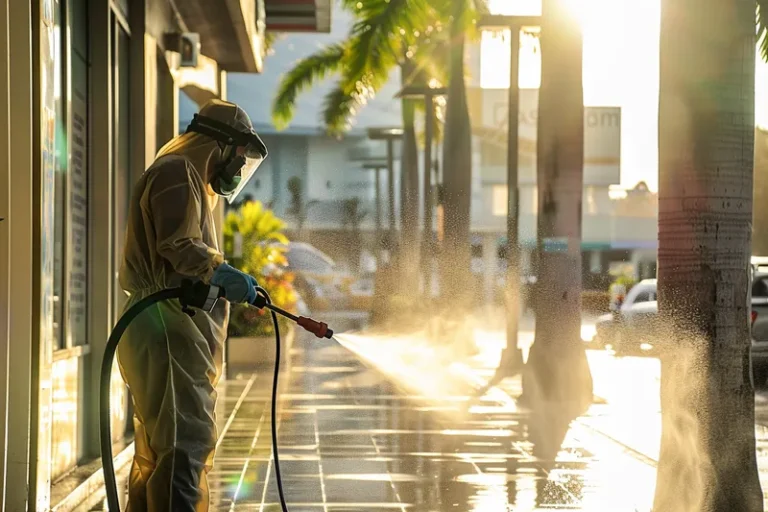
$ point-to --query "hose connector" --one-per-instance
(319, 329)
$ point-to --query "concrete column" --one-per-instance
(595, 262)
(19, 229)
(101, 235)
(5, 242)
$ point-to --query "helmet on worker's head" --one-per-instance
(242, 151)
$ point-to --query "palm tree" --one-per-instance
(457, 165)
(706, 142)
(557, 371)
(351, 218)
(387, 36)
(408, 34)
(298, 207)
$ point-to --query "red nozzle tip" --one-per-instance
(319, 329)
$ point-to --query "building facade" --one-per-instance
(332, 171)
(88, 94)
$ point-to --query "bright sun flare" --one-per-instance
(621, 68)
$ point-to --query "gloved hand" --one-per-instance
(238, 286)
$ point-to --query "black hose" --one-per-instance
(275, 451)
(105, 410)
(110, 481)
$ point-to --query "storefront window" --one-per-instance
(70, 190)
(60, 177)
(77, 252)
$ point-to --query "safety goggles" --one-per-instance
(240, 163)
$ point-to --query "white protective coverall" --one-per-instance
(170, 361)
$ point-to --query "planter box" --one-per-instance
(258, 351)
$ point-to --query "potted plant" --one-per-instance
(255, 243)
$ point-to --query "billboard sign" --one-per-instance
(602, 133)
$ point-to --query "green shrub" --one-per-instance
(263, 257)
(627, 281)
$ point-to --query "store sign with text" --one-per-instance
(602, 133)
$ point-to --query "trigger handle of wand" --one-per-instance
(319, 329)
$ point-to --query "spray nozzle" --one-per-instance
(319, 329)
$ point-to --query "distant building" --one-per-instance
(330, 169)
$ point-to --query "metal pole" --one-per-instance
(391, 187)
(513, 207)
(426, 245)
(378, 214)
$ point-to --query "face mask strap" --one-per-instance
(226, 134)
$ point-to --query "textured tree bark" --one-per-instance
(457, 177)
(706, 143)
(557, 371)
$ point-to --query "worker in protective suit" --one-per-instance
(171, 361)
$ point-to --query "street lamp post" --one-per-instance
(389, 135)
(512, 357)
(377, 166)
(427, 244)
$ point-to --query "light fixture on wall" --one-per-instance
(187, 45)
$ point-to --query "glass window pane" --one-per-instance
(760, 288)
(642, 297)
(79, 27)
(78, 205)
(122, 6)
(60, 180)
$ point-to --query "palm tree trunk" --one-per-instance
(706, 142)
(409, 252)
(557, 371)
(457, 176)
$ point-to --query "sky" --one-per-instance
(621, 68)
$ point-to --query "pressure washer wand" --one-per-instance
(319, 329)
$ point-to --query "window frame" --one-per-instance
(66, 345)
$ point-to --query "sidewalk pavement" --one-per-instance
(378, 426)
(624, 423)
(382, 423)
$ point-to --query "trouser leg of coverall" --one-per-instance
(171, 378)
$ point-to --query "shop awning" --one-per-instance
(231, 31)
(298, 15)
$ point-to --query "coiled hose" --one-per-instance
(105, 427)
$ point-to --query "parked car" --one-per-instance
(322, 284)
(634, 313)
(760, 327)
(634, 327)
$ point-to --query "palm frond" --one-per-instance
(431, 57)
(384, 32)
(307, 72)
(762, 28)
(341, 104)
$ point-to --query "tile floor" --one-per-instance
(353, 440)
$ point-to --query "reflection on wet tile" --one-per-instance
(352, 440)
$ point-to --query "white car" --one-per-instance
(632, 324)
(635, 323)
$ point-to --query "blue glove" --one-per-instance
(238, 286)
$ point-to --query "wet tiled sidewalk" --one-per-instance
(353, 439)
(625, 421)
(368, 432)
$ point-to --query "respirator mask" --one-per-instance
(241, 154)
